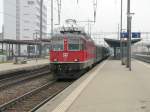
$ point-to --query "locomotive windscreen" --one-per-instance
(57, 44)
(75, 44)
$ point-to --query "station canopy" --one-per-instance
(23, 42)
(116, 43)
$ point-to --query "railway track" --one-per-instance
(11, 78)
(5, 83)
(11, 90)
(20, 73)
(32, 100)
(28, 91)
(144, 58)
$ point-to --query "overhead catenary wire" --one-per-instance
(95, 9)
(59, 10)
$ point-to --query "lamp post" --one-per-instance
(128, 12)
(35, 38)
(129, 43)
(129, 18)
(89, 25)
(121, 43)
(52, 19)
(2, 38)
(41, 26)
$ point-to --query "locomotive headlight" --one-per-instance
(55, 60)
(76, 60)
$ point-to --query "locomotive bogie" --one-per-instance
(68, 70)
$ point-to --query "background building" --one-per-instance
(0, 35)
(22, 19)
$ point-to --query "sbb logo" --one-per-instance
(65, 55)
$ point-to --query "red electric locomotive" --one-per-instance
(73, 51)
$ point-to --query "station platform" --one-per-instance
(32, 64)
(108, 87)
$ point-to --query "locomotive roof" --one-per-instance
(72, 32)
(72, 35)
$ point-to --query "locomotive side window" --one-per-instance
(57, 44)
(58, 47)
(82, 45)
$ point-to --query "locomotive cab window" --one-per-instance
(57, 44)
(74, 44)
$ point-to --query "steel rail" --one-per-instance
(26, 95)
(7, 84)
(142, 58)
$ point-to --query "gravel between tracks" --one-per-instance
(28, 103)
(22, 88)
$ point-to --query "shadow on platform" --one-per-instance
(114, 58)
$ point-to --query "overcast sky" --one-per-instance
(108, 13)
(1, 10)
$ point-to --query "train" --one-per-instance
(74, 51)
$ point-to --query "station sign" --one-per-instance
(134, 35)
(124, 35)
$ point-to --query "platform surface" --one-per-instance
(10, 66)
(110, 88)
